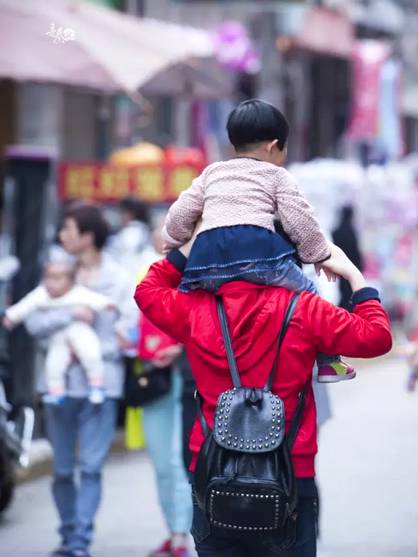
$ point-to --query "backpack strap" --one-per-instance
(233, 368)
(199, 404)
(232, 363)
(297, 417)
(287, 317)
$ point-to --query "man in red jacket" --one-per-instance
(255, 314)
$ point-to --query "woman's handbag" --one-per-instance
(146, 383)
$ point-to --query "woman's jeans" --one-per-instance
(91, 427)
(163, 434)
(216, 544)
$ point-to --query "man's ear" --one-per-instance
(272, 145)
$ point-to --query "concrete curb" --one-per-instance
(41, 458)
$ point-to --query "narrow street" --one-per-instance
(129, 523)
(366, 470)
(367, 465)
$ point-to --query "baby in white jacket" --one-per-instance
(77, 340)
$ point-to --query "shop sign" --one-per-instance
(390, 121)
(369, 57)
(155, 183)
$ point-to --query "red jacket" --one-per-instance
(255, 315)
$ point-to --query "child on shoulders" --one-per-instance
(238, 201)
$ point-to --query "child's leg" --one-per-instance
(290, 276)
(57, 361)
(331, 369)
(86, 346)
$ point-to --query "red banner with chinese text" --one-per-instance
(154, 183)
(368, 59)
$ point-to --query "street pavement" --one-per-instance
(367, 471)
(129, 523)
(367, 465)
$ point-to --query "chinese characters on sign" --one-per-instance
(155, 183)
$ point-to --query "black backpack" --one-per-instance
(244, 479)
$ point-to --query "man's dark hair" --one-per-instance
(137, 208)
(254, 121)
(89, 219)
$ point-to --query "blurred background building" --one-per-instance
(82, 80)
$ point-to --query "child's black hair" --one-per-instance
(254, 121)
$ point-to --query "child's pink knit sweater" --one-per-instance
(246, 191)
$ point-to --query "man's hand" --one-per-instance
(84, 314)
(339, 265)
(166, 356)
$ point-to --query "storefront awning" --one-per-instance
(75, 43)
(322, 31)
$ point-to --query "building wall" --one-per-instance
(202, 14)
(78, 132)
(262, 20)
(39, 115)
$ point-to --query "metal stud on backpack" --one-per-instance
(244, 479)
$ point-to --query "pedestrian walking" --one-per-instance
(254, 315)
(127, 245)
(345, 236)
(163, 427)
(80, 431)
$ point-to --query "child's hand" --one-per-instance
(338, 265)
(84, 314)
(165, 248)
(331, 276)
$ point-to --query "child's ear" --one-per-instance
(272, 145)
